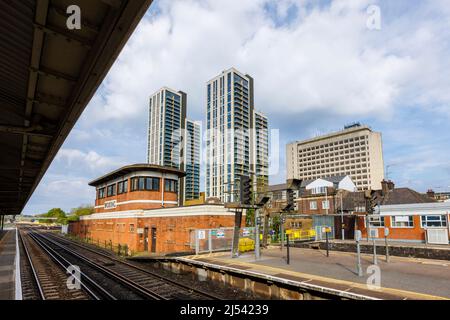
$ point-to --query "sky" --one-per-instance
(317, 66)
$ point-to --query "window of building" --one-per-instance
(131, 227)
(101, 193)
(318, 190)
(402, 221)
(326, 204)
(122, 187)
(433, 221)
(111, 190)
(376, 222)
(313, 205)
(145, 183)
(170, 185)
(152, 184)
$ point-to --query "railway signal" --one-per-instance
(245, 190)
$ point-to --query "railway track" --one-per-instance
(43, 276)
(144, 283)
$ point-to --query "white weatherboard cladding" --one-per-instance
(318, 183)
(347, 184)
(415, 209)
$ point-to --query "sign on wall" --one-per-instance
(373, 233)
(201, 234)
(110, 204)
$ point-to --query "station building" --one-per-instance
(137, 206)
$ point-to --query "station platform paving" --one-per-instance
(8, 265)
(402, 278)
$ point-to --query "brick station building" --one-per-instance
(137, 206)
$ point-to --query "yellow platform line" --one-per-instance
(397, 292)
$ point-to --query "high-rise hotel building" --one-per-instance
(355, 151)
(231, 146)
(167, 144)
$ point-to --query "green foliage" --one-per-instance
(77, 212)
(57, 213)
(63, 218)
(82, 211)
(250, 218)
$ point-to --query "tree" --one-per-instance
(82, 210)
(76, 213)
(57, 213)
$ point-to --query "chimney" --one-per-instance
(391, 185)
(430, 193)
(384, 187)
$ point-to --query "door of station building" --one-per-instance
(145, 239)
(349, 227)
(153, 239)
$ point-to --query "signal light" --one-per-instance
(245, 190)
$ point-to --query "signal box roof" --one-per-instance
(133, 168)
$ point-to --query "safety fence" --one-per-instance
(321, 232)
(221, 239)
(301, 234)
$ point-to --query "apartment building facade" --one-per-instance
(192, 143)
(167, 122)
(355, 151)
(231, 148)
(261, 154)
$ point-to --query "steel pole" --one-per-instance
(387, 248)
(374, 252)
(358, 255)
(287, 248)
(342, 220)
(281, 232)
(257, 246)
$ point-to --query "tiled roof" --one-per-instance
(404, 196)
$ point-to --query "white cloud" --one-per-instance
(324, 59)
(81, 160)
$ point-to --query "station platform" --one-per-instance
(396, 248)
(401, 279)
(8, 249)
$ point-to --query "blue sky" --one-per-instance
(316, 67)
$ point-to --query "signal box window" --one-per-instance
(170, 185)
(111, 190)
(122, 187)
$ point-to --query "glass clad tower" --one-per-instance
(167, 121)
(192, 160)
(261, 159)
(230, 141)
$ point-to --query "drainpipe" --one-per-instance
(162, 188)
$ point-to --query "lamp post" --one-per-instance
(342, 218)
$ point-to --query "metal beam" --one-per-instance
(53, 73)
(31, 131)
(69, 36)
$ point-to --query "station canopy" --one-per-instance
(48, 74)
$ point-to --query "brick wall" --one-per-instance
(172, 233)
(138, 195)
(414, 233)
